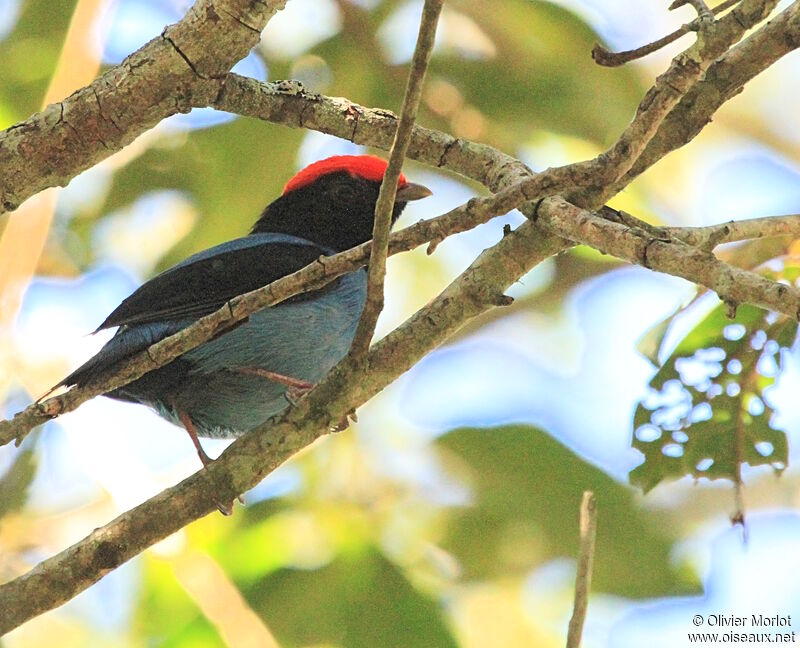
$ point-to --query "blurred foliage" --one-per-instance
(17, 478)
(526, 86)
(551, 80)
(356, 555)
(209, 166)
(527, 488)
(306, 561)
(166, 612)
(707, 413)
(29, 55)
(358, 599)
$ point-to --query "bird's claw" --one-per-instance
(296, 393)
(225, 509)
(342, 425)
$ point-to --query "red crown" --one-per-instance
(363, 166)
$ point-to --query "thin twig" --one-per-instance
(384, 207)
(607, 58)
(739, 434)
(703, 12)
(583, 579)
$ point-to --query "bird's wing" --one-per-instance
(204, 282)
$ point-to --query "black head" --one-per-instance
(332, 202)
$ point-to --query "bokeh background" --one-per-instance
(448, 515)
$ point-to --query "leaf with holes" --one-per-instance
(706, 413)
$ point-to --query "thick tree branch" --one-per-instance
(168, 75)
(384, 207)
(671, 256)
(294, 107)
(710, 236)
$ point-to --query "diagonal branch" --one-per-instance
(723, 81)
(376, 272)
(170, 74)
(670, 87)
(249, 459)
(671, 256)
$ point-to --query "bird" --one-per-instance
(237, 381)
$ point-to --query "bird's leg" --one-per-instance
(224, 508)
(297, 387)
(187, 423)
(295, 383)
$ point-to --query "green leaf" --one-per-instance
(229, 171)
(650, 343)
(542, 76)
(359, 599)
(17, 479)
(166, 612)
(29, 55)
(707, 415)
(527, 489)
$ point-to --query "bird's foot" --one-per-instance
(226, 508)
(296, 393)
(297, 386)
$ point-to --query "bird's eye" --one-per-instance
(345, 193)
